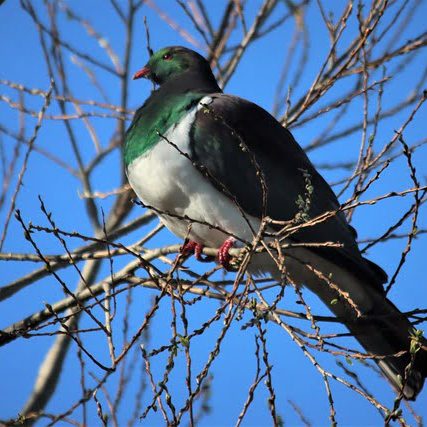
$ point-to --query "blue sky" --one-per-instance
(294, 376)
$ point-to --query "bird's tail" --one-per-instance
(386, 333)
(378, 325)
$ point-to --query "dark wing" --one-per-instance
(234, 139)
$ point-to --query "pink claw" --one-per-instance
(193, 247)
(223, 256)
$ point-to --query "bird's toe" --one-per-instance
(224, 256)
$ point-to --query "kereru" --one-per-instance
(213, 165)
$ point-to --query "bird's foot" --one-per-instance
(191, 247)
(224, 256)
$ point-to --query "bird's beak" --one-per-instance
(144, 72)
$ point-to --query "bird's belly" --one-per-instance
(188, 204)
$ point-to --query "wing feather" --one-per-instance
(236, 140)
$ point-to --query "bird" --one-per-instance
(215, 167)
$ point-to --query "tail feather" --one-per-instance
(378, 325)
(385, 331)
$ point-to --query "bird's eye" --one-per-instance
(167, 56)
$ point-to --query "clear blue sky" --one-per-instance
(294, 376)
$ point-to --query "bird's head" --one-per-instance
(171, 62)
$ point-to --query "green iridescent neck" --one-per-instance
(156, 116)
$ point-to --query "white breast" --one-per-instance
(166, 180)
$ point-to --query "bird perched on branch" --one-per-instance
(216, 168)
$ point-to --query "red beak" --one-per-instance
(142, 73)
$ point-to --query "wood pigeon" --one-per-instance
(212, 166)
